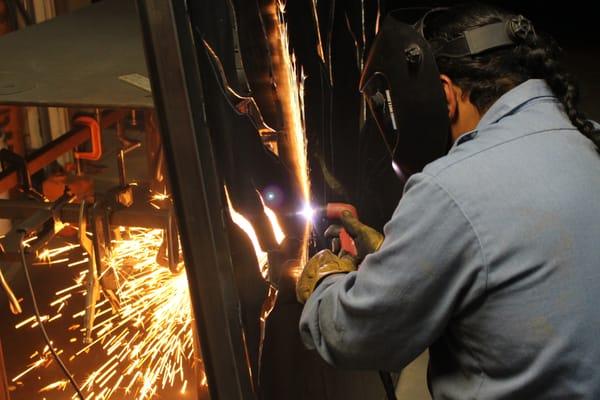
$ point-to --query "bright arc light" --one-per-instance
(308, 212)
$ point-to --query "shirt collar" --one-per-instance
(514, 99)
(508, 104)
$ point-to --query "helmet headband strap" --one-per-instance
(480, 39)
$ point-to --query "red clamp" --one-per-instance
(95, 138)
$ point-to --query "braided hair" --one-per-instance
(487, 76)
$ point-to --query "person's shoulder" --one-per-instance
(496, 141)
(461, 155)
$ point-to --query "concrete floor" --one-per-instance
(413, 381)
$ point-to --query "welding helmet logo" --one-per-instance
(402, 87)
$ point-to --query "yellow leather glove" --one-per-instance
(322, 264)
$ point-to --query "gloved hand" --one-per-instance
(322, 264)
(366, 239)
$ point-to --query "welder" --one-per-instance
(491, 259)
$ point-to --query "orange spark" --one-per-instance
(290, 90)
(58, 385)
(149, 340)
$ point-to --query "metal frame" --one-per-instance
(198, 195)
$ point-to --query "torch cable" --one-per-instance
(41, 324)
(388, 385)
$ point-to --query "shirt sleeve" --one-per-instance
(428, 270)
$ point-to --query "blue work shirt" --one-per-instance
(491, 260)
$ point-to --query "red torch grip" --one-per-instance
(334, 211)
(347, 243)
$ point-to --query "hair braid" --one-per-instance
(489, 75)
(540, 57)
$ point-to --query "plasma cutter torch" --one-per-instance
(334, 211)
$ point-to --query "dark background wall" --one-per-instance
(573, 24)
(338, 138)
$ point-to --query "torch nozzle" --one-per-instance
(331, 210)
(309, 211)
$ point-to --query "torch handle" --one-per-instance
(347, 243)
(334, 211)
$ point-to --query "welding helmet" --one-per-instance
(402, 87)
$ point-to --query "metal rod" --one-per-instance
(51, 151)
(78, 166)
(139, 214)
(121, 168)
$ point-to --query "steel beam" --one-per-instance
(198, 195)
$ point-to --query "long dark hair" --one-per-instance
(487, 76)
